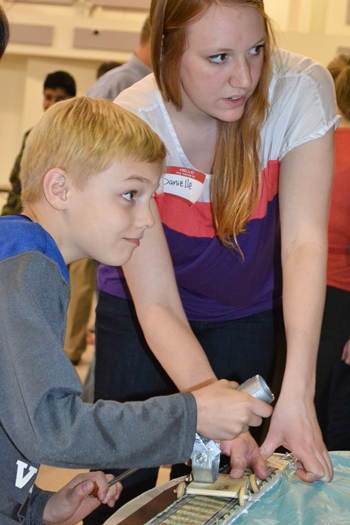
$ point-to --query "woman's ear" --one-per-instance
(56, 185)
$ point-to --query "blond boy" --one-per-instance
(88, 174)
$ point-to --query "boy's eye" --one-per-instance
(129, 195)
(218, 59)
(256, 49)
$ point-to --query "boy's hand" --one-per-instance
(223, 413)
(72, 503)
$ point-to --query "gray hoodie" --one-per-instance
(42, 418)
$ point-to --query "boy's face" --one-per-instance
(51, 96)
(108, 218)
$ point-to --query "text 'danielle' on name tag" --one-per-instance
(184, 183)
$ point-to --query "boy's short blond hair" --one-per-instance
(84, 136)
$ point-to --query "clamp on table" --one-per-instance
(205, 459)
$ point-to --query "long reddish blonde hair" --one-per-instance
(235, 185)
(340, 71)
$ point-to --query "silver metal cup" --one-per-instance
(256, 386)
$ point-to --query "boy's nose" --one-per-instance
(146, 219)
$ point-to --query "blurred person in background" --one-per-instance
(138, 66)
(332, 398)
(106, 66)
(58, 85)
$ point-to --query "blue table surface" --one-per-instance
(297, 503)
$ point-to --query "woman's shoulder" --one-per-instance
(302, 104)
(296, 68)
(302, 82)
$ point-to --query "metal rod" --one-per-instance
(121, 476)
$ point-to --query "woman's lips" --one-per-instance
(235, 101)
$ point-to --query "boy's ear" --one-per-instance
(56, 185)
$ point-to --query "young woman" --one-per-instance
(249, 134)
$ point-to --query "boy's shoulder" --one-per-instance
(20, 235)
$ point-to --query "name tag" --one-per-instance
(184, 183)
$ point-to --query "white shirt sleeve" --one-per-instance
(303, 106)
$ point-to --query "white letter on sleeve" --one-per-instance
(22, 479)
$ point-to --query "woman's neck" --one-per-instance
(197, 137)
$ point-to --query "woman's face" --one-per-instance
(222, 63)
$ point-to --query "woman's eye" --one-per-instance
(218, 59)
(129, 195)
(256, 50)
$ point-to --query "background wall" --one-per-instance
(316, 28)
(24, 67)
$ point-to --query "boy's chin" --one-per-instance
(117, 261)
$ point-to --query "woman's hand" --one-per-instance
(294, 426)
(346, 353)
(304, 188)
(72, 503)
(244, 452)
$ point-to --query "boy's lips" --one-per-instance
(135, 241)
